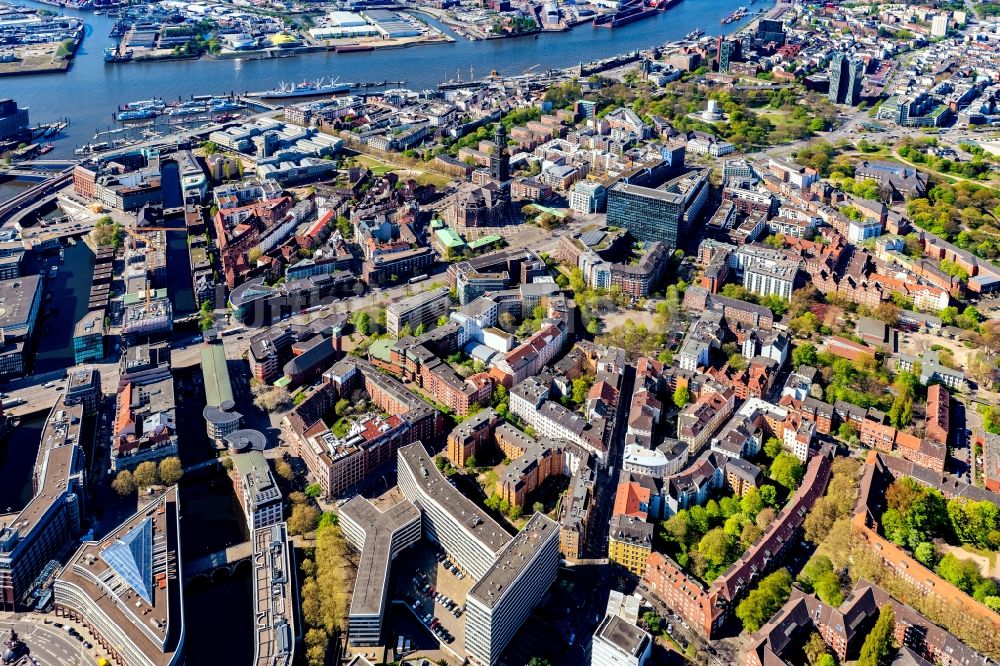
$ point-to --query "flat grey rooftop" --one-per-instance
(513, 560)
(464, 511)
(373, 565)
(626, 636)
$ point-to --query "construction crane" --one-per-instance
(149, 254)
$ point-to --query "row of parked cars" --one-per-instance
(451, 568)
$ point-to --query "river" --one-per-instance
(90, 92)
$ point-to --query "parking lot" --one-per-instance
(435, 595)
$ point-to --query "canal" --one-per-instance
(91, 90)
(17, 458)
(217, 613)
(179, 286)
(67, 296)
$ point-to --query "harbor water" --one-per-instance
(91, 91)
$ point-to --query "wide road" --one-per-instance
(47, 644)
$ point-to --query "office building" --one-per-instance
(421, 310)
(255, 487)
(20, 300)
(587, 197)
(770, 31)
(51, 519)
(88, 337)
(13, 121)
(649, 214)
(766, 277)
(471, 538)
(504, 597)
(618, 642)
(939, 25)
(274, 587)
(379, 536)
(220, 417)
(846, 75)
(127, 589)
(728, 52)
(145, 425)
(83, 386)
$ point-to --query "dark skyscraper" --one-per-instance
(13, 121)
(500, 160)
(770, 30)
(846, 75)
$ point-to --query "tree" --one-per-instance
(752, 503)
(145, 474)
(470, 462)
(420, 330)
(675, 528)
(580, 388)
(717, 547)
(303, 519)
(877, 647)
(814, 648)
(765, 517)
(764, 600)
(507, 321)
(124, 483)
(804, 355)
(828, 589)
(963, 574)
(284, 470)
(682, 396)
(272, 400)
(538, 507)
(254, 254)
(313, 490)
(806, 324)
(772, 447)
(170, 470)
(887, 312)
(787, 470)
(924, 552)
(362, 322)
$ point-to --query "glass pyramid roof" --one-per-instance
(131, 557)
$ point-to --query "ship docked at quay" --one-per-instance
(303, 89)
